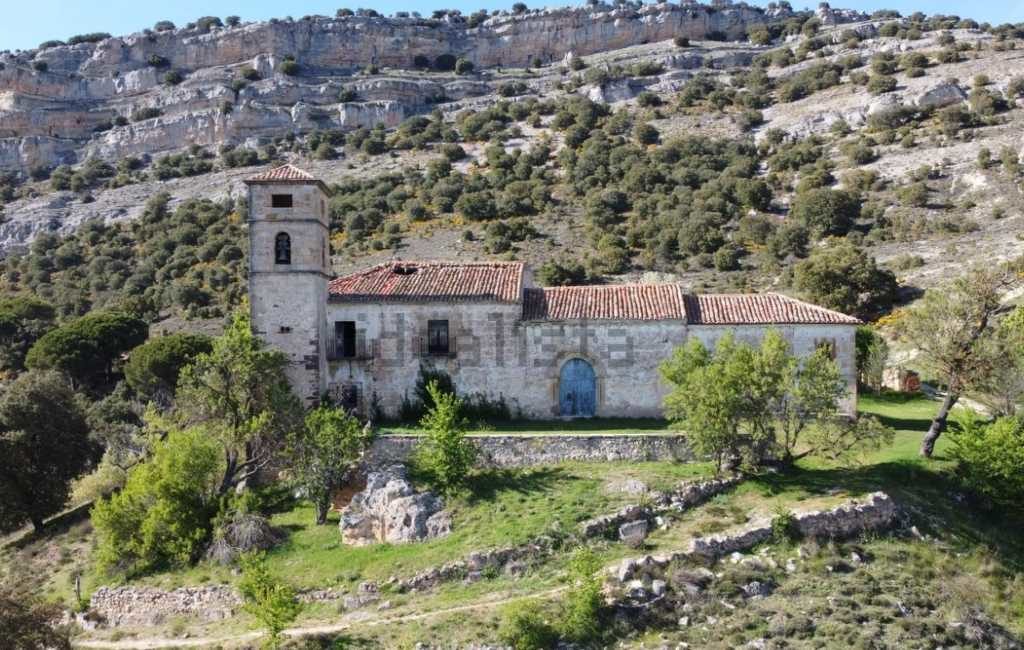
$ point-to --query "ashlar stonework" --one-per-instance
(590, 351)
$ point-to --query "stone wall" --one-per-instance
(526, 451)
(877, 511)
(495, 353)
(287, 301)
(120, 606)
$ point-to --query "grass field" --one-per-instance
(981, 552)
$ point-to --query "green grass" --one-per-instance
(502, 508)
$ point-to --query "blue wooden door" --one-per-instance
(577, 389)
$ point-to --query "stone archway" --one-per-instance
(577, 389)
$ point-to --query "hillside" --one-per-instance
(897, 112)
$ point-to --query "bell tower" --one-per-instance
(289, 267)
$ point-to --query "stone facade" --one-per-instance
(571, 351)
(287, 300)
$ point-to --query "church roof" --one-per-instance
(286, 175)
(432, 281)
(759, 309)
(605, 302)
(406, 281)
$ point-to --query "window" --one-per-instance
(829, 345)
(345, 339)
(283, 248)
(280, 200)
(437, 337)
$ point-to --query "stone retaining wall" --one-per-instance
(151, 606)
(507, 451)
(877, 511)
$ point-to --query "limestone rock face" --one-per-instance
(67, 112)
(390, 510)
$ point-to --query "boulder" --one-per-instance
(945, 93)
(633, 533)
(390, 510)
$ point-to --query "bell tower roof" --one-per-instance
(286, 175)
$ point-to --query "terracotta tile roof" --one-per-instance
(608, 302)
(285, 175)
(432, 281)
(758, 309)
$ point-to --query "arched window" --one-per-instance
(283, 248)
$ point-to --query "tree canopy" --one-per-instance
(954, 329)
(23, 319)
(742, 404)
(238, 393)
(153, 367)
(843, 277)
(88, 349)
(44, 443)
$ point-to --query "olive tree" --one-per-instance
(239, 394)
(324, 452)
(953, 327)
(743, 404)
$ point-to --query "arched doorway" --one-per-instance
(577, 389)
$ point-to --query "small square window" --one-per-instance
(280, 200)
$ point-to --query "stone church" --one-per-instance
(548, 352)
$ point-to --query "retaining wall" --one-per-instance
(524, 450)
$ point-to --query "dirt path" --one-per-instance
(199, 642)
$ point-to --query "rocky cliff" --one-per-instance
(65, 103)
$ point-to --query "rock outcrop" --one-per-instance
(390, 510)
(63, 104)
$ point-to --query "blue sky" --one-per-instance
(27, 23)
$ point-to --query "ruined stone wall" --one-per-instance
(527, 451)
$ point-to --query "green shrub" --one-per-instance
(93, 37)
(463, 66)
(445, 62)
(681, 41)
(173, 78)
(40, 66)
(249, 73)
(146, 113)
(524, 626)
(445, 453)
(843, 277)
(825, 211)
(580, 621)
(784, 527)
(990, 458)
(289, 66)
(268, 599)
(163, 516)
(881, 84)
